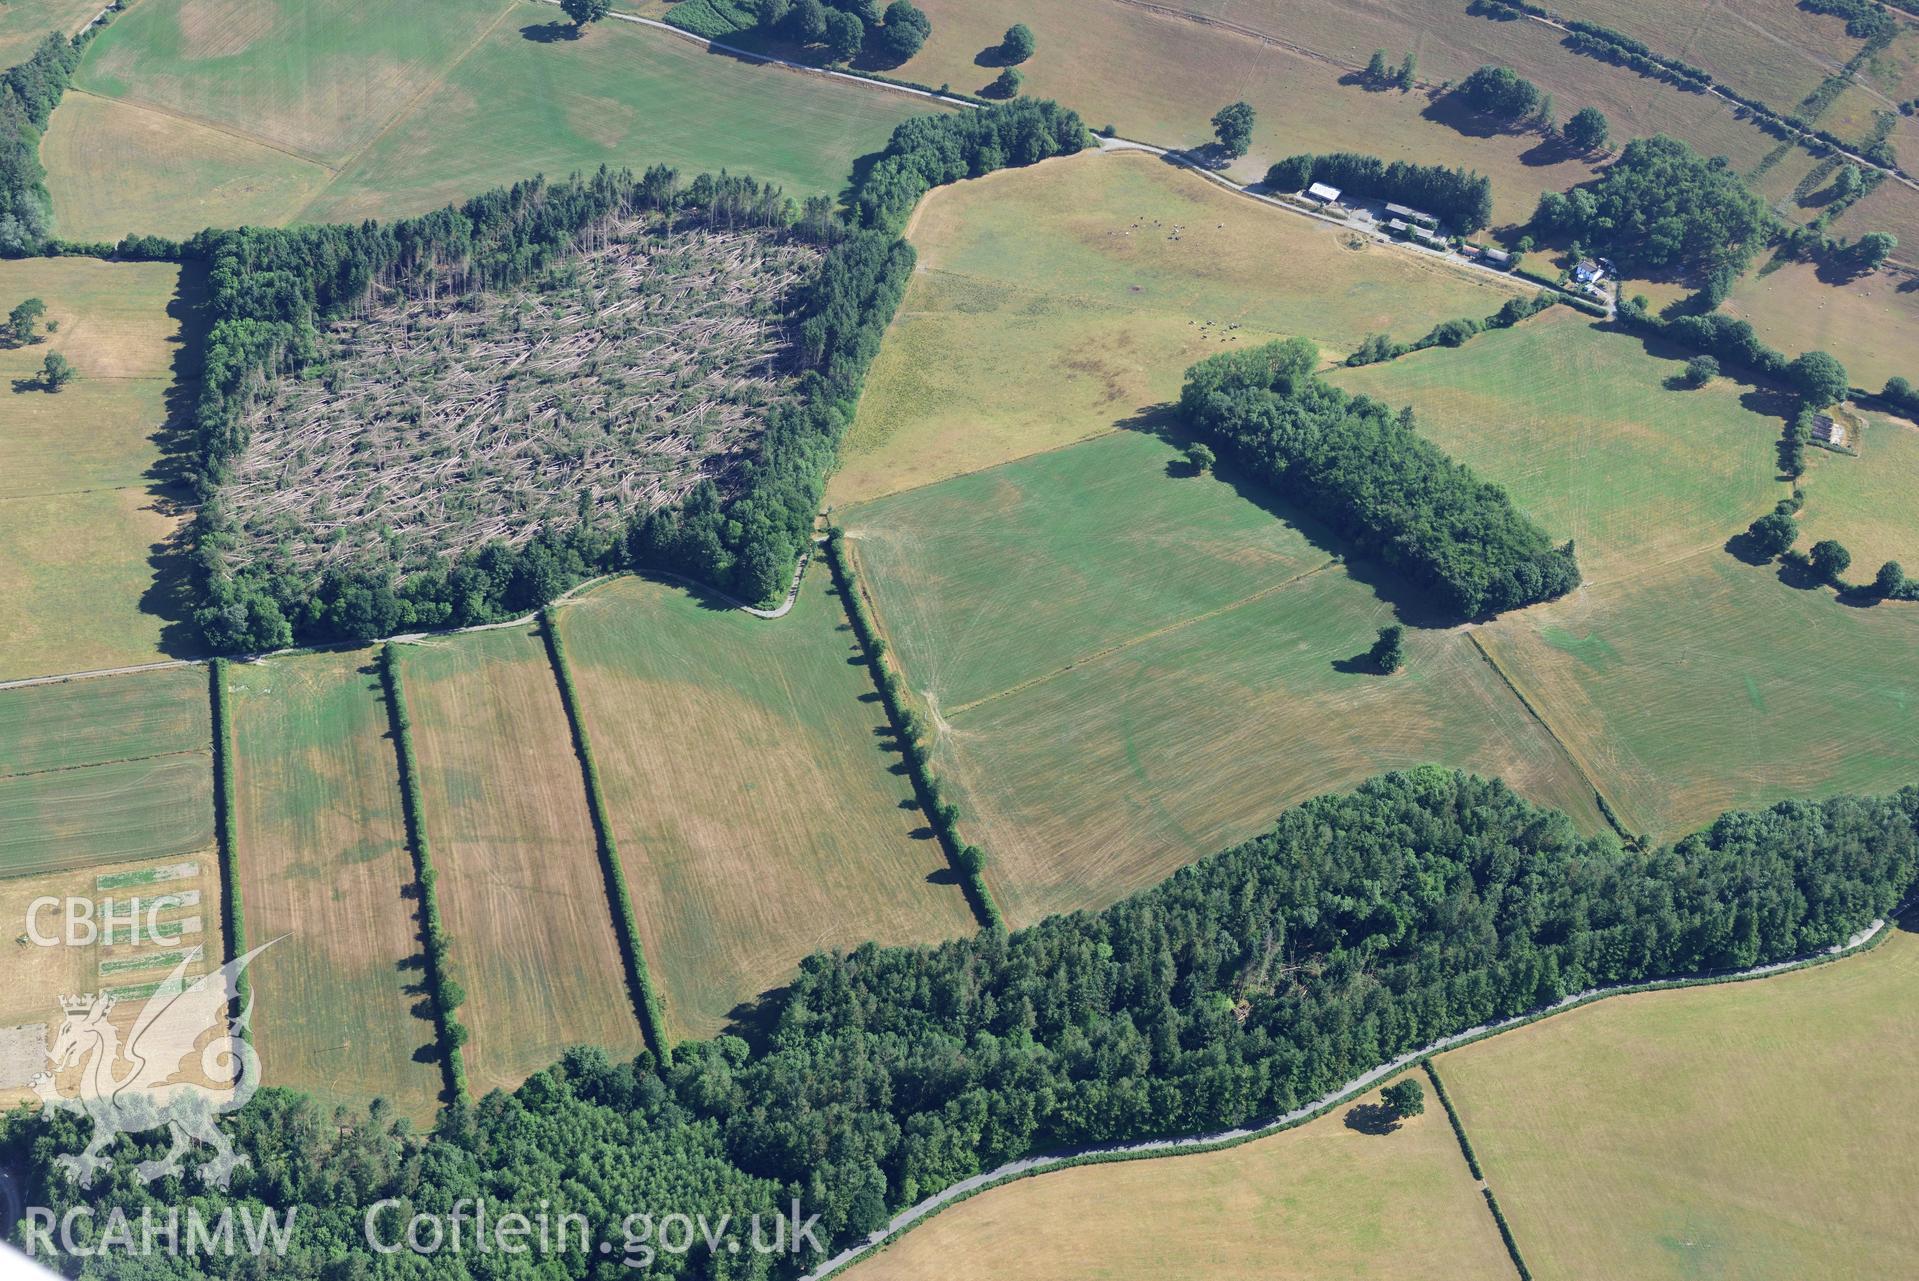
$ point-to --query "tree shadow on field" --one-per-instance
(1372, 1118)
(550, 32)
(856, 178)
(1410, 605)
(755, 1019)
(170, 594)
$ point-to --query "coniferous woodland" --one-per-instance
(1364, 470)
(274, 292)
(1361, 927)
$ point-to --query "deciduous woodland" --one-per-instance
(1360, 927)
(1364, 470)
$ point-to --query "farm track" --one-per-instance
(1026, 1167)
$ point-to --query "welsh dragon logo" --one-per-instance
(140, 1085)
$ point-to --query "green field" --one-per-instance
(1325, 1200)
(87, 510)
(1710, 685)
(750, 792)
(1754, 1130)
(1131, 668)
(105, 770)
(1586, 434)
(24, 22)
(325, 869)
(225, 111)
(520, 885)
(1052, 303)
(1867, 502)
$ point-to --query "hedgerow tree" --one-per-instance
(56, 371)
(1587, 130)
(1772, 533)
(1006, 84)
(1017, 45)
(1388, 652)
(1376, 68)
(906, 29)
(1200, 458)
(1830, 559)
(1890, 581)
(22, 319)
(1404, 1098)
(1820, 377)
(844, 35)
(1874, 248)
(1701, 370)
(585, 11)
(807, 21)
(1233, 126)
(1407, 65)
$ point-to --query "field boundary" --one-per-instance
(647, 1003)
(232, 904)
(1192, 1145)
(452, 1033)
(1472, 1165)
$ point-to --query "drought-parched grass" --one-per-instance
(1755, 1130)
(750, 792)
(1870, 324)
(105, 770)
(1593, 437)
(520, 885)
(1188, 666)
(1710, 685)
(324, 863)
(1325, 1200)
(85, 508)
(24, 22)
(112, 718)
(1053, 302)
(1867, 502)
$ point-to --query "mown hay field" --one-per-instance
(1129, 668)
(1324, 1200)
(1754, 1130)
(520, 884)
(1710, 684)
(1871, 324)
(87, 507)
(1053, 302)
(326, 873)
(24, 22)
(1591, 434)
(177, 901)
(1867, 502)
(749, 778)
(105, 770)
(338, 110)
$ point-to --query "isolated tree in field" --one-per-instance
(1376, 68)
(1772, 533)
(1501, 92)
(1587, 130)
(1701, 370)
(1822, 378)
(905, 31)
(844, 35)
(22, 319)
(1233, 126)
(1404, 1098)
(1388, 652)
(584, 11)
(1006, 84)
(1200, 458)
(807, 22)
(1874, 248)
(56, 371)
(1890, 581)
(1830, 559)
(1017, 45)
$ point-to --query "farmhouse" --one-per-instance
(1829, 431)
(1324, 194)
(1588, 272)
(1419, 216)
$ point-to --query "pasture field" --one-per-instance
(105, 770)
(747, 779)
(324, 863)
(38, 976)
(1592, 437)
(225, 111)
(512, 843)
(1324, 1200)
(1870, 324)
(1867, 502)
(86, 507)
(1710, 685)
(1754, 1130)
(1154, 710)
(1052, 303)
(24, 22)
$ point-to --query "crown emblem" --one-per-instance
(78, 1004)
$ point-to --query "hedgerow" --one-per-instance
(232, 905)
